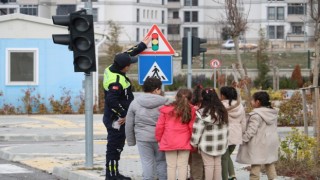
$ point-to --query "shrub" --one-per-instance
(287, 83)
(291, 111)
(63, 105)
(296, 156)
(296, 76)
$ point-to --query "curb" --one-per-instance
(36, 138)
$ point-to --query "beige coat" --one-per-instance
(261, 140)
(237, 121)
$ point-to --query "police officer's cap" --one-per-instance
(124, 59)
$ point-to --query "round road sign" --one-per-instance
(215, 63)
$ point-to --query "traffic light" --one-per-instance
(80, 40)
(155, 42)
(184, 50)
(196, 48)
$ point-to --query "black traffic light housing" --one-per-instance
(195, 46)
(80, 40)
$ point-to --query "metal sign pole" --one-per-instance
(189, 61)
(89, 109)
(214, 78)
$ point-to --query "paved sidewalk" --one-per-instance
(60, 146)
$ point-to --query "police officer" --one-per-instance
(118, 96)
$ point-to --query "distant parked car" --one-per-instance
(229, 44)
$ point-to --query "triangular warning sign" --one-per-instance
(155, 71)
(159, 44)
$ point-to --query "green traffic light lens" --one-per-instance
(81, 24)
(83, 62)
(82, 43)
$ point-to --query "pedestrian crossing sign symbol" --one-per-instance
(155, 66)
(156, 71)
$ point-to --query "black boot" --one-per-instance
(122, 177)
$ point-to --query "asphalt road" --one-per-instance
(16, 171)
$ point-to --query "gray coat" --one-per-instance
(260, 139)
(142, 117)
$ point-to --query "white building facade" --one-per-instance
(285, 22)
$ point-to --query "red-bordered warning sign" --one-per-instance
(215, 63)
(159, 44)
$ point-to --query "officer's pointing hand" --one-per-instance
(146, 40)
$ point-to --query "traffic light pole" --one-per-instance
(189, 56)
(89, 108)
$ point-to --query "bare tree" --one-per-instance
(315, 16)
(236, 20)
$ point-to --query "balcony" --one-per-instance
(295, 37)
(174, 5)
(174, 21)
(296, 18)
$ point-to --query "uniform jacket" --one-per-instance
(260, 139)
(237, 121)
(142, 117)
(209, 137)
(118, 96)
(171, 133)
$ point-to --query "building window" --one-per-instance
(162, 17)
(152, 14)
(296, 8)
(194, 31)
(65, 9)
(162, 2)
(175, 15)
(138, 35)
(276, 32)
(138, 15)
(29, 10)
(144, 13)
(87, 0)
(191, 2)
(95, 14)
(275, 13)
(5, 11)
(22, 66)
(147, 14)
(155, 14)
(191, 16)
(173, 29)
(173, 0)
(138, 1)
(297, 28)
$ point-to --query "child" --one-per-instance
(173, 132)
(210, 133)
(195, 160)
(237, 124)
(260, 139)
(141, 120)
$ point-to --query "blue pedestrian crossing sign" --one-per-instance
(155, 66)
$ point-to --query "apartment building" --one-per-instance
(285, 22)
(134, 16)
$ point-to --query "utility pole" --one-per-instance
(88, 108)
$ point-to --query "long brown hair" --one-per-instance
(212, 105)
(182, 105)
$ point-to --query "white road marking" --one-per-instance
(12, 169)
